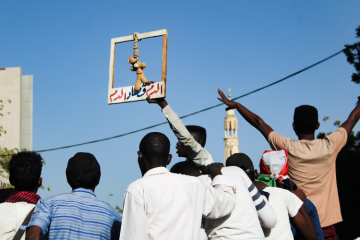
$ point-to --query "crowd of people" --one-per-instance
(293, 197)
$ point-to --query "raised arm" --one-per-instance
(354, 117)
(195, 152)
(249, 116)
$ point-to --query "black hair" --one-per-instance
(155, 147)
(306, 119)
(242, 161)
(199, 133)
(286, 184)
(6, 193)
(25, 170)
(185, 167)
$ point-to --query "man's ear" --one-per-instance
(169, 159)
(256, 174)
(293, 124)
(317, 126)
(140, 157)
(40, 182)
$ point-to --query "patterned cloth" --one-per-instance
(274, 167)
(77, 215)
(23, 196)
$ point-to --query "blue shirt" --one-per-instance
(77, 215)
(311, 209)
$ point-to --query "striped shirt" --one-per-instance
(76, 215)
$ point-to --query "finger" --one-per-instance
(222, 94)
(220, 99)
(149, 100)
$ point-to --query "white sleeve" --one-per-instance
(202, 235)
(293, 203)
(266, 214)
(199, 155)
(134, 222)
(219, 198)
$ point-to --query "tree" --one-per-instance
(117, 208)
(347, 168)
(2, 130)
(352, 53)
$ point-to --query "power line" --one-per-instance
(191, 114)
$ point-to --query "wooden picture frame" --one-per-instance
(127, 94)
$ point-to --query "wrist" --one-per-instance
(162, 103)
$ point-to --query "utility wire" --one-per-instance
(191, 114)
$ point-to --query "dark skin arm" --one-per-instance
(300, 194)
(302, 225)
(354, 117)
(213, 169)
(160, 101)
(33, 233)
(249, 116)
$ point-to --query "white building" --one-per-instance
(19, 123)
(231, 138)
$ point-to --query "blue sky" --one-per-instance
(240, 45)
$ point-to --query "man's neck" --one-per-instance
(260, 185)
(151, 167)
(310, 136)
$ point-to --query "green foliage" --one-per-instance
(119, 210)
(352, 53)
(6, 186)
(2, 106)
(337, 123)
(5, 156)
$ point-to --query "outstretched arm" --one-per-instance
(249, 116)
(199, 155)
(354, 117)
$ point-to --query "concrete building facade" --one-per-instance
(231, 139)
(19, 123)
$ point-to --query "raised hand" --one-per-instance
(224, 99)
(161, 101)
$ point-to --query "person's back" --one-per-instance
(312, 168)
(285, 204)
(170, 199)
(243, 223)
(79, 214)
(25, 170)
(164, 205)
(311, 162)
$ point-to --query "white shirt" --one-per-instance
(266, 214)
(164, 205)
(285, 204)
(243, 222)
(196, 153)
(12, 216)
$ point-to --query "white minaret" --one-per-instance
(231, 139)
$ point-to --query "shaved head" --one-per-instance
(155, 147)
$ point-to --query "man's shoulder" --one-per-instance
(17, 205)
(160, 181)
(61, 196)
